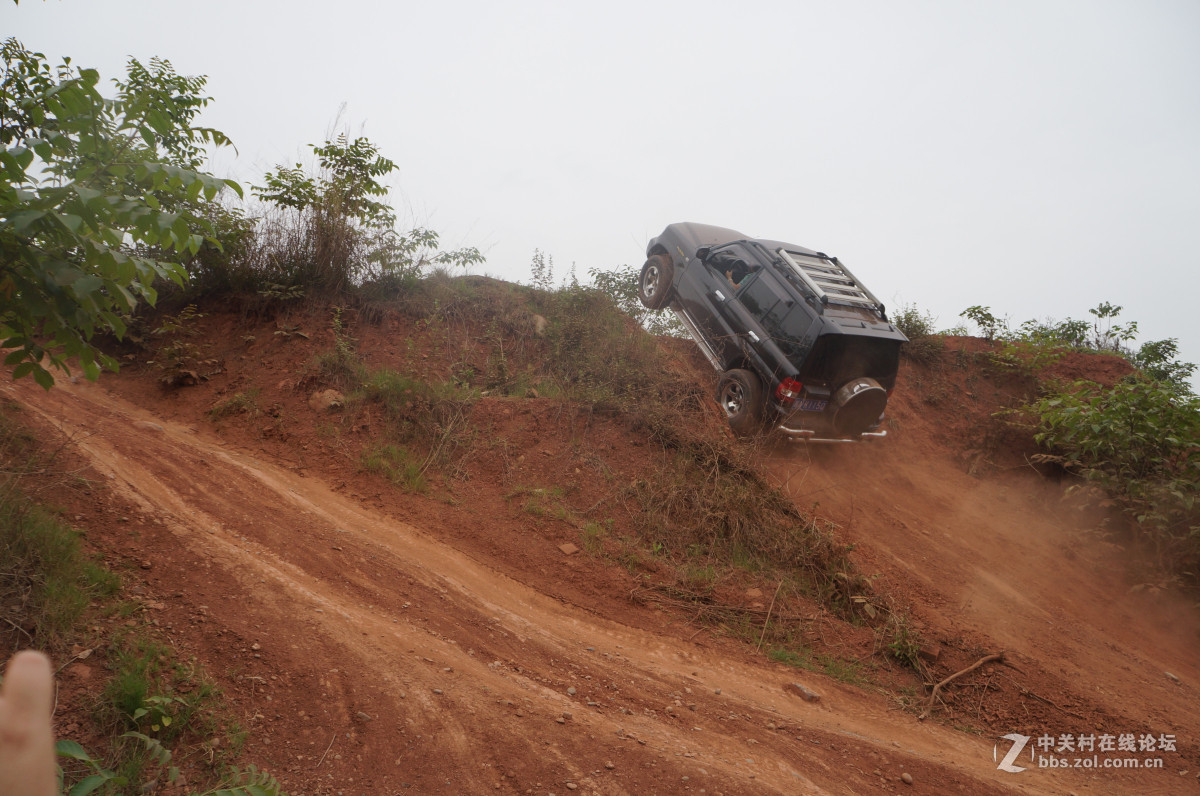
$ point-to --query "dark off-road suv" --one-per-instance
(801, 344)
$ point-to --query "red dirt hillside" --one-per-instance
(380, 640)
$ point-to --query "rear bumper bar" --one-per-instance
(808, 435)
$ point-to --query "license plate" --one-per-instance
(813, 405)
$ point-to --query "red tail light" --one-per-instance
(788, 390)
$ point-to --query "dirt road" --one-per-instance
(372, 656)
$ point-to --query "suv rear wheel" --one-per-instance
(740, 394)
(654, 285)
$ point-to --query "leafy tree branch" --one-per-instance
(98, 199)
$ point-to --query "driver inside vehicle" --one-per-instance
(736, 271)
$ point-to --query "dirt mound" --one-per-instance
(482, 636)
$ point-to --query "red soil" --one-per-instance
(378, 642)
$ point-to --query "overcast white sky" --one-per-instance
(1037, 156)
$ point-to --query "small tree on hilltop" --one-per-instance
(346, 233)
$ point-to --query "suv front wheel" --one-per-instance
(654, 285)
(740, 394)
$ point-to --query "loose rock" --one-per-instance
(906, 778)
(930, 652)
(326, 400)
(801, 691)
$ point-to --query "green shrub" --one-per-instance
(914, 322)
(397, 464)
(924, 344)
(1158, 360)
(1035, 344)
(45, 571)
(99, 198)
(621, 285)
(340, 366)
(143, 752)
(991, 327)
(1139, 441)
(849, 672)
(596, 354)
(240, 403)
(711, 501)
(333, 233)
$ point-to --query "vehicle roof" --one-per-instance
(693, 236)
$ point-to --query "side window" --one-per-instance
(733, 264)
(782, 316)
(760, 297)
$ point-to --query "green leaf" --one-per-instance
(89, 784)
(72, 749)
(91, 370)
(23, 220)
(13, 356)
(88, 195)
(43, 377)
(22, 155)
(44, 150)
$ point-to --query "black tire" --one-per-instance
(740, 395)
(654, 285)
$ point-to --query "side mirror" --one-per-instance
(702, 253)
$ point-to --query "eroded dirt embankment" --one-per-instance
(377, 655)
(463, 672)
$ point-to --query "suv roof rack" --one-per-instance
(831, 281)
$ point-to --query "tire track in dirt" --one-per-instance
(462, 672)
(1006, 562)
